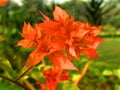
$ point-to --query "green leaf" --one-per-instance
(6, 66)
(67, 85)
(117, 73)
(107, 72)
(36, 74)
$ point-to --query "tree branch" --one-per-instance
(15, 82)
(23, 74)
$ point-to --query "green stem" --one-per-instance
(15, 82)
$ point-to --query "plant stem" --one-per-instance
(43, 62)
(29, 85)
(15, 82)
(84, 71)
(23, 74)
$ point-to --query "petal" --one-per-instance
(33, 59)
(96, 30)
(72, 51)
(91, 53)
(45, 17)
(59, 14)
(61, 61)
(28, 32)
(2, 2)
(25, 43)
(81, 33)
(49, 27)
(95, 43)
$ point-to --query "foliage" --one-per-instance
(65, 85)
(94, 9)
(102, 77)
(109, 52)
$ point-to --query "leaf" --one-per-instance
(117, 73)
(107, 72)
(37, 75)
(66, 85)
(6, 65)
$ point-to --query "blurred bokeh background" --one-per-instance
(104, 74)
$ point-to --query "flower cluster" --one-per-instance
(61, 39)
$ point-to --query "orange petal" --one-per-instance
(61, 61)
(59, 14)
(96, 42)
(2, 2)
(91, 53)
(72, 51)
(25, 43)
(45, 17)
(28, 32)
(33, 59)
(96, 30)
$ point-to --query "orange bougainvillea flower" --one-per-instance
(81, 37)
(53, 77)
(29, 35)
(61, 39)
(2, 2)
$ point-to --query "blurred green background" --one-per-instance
(104, 74)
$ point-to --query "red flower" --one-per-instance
(53, 77)
(2, 2)
(29, 35)
(81, 37)
(61, 35)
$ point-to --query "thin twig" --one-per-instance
(23, 74)
(84, 71)
(29, 85)
(15, 82)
